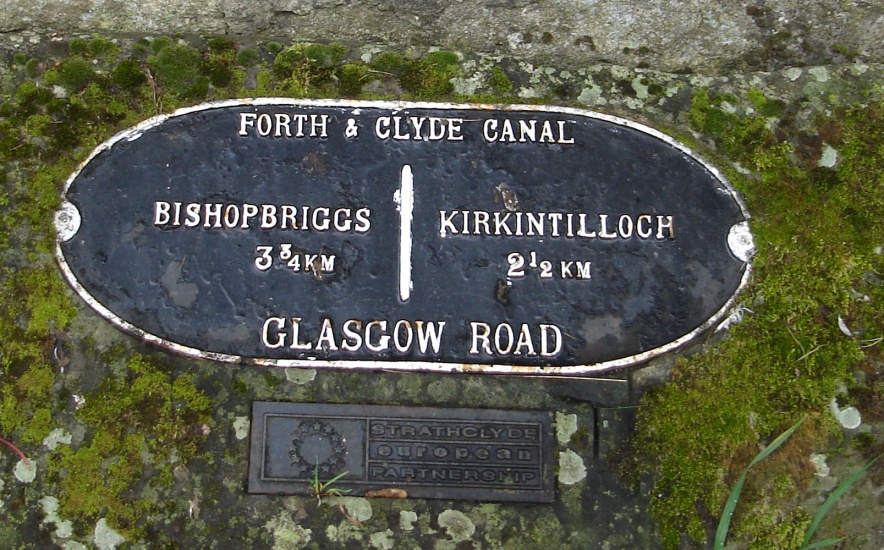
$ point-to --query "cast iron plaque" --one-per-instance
(403, 236)
(473, 454)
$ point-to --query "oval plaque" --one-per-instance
(412, 236)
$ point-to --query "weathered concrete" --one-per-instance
(708, 36)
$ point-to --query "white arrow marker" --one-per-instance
(404, 199)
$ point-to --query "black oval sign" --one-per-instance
(409, 236)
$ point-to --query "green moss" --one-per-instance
(38, 426)
(499, 81)
(769, 528)
(160, 43)
(32, 68)
(219, 62)
(788, 356)
(36, 199)
(848, 53)
(221, 45)
(325, 55)
(430, 76)
(274, 48)
(656, 89)
(79, 46)
(19, 59)
(128, 74)
(351, 79)
(38, 124)
(248, 57)
(102, 48)
(288, 61)
(148, 409)
(29, 97)
(35, 305)
(747, 140)
(239, 386)
(266, 83)
(389, 62)
(25, 402)
(309, 69)
(219, 70)
(443, 60)
(74, 73)
(177, 68)
(763, 106)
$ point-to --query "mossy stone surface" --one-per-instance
(156, 453)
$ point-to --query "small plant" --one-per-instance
(731, 503)
(321, 489)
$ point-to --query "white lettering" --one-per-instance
(352, 338)
(296, 344)
(265, 125)
(323, 224)
(318, 123)
(282, 121)
(280, 340)
(399, 329)
(246, 120)
(383, 342)
(544, 340)
(525, 342)
(326, 336)
(362, 223)
(604, 233)
(437, 129)
(661, 226)
(161, 213)
(213, 210)
(268, 216)
(647, 231)
(484, 336)
(429, 333)
(562, 138)
(382, 127)
(445, 224)
(489, 130)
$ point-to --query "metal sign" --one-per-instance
(473, 454)
(412, 236)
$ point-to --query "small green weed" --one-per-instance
(321, 489)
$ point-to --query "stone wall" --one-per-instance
(710, 36)
(130, 446)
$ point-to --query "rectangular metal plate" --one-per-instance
(468, 454)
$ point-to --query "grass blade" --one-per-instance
(836, 494)
(731, 504)
(337, 477)
(724, 523)
(775, 444)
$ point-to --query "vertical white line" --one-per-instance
(406, 213)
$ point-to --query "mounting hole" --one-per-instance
(67, 221)
(740, 241)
